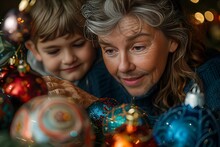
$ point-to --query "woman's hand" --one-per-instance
(65, 88)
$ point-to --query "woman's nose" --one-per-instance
(126, 64)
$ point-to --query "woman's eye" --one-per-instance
(138, 49)
(110, 52)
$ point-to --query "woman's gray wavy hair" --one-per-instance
(102, 16)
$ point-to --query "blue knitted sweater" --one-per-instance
(209, 73)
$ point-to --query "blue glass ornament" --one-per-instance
(189, 124)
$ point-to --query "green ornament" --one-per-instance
(7, 50)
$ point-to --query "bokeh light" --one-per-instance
(209, 16)
(199, 16)
(194, 1)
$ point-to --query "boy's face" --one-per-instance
(67, 57)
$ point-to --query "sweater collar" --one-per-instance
(149, 94)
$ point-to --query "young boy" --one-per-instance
(58, 47)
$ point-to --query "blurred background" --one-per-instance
(207, 12)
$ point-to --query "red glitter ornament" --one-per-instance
(23, 85)
(4, 72)
(129, 135)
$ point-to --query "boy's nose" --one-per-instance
(69, 58)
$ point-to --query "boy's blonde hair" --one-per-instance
(56, 18)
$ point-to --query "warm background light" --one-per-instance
(199, 16)
(194, 1)
(209, 16)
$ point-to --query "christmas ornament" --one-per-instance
(54, 120)
(131, 140)
(189, 124)
(99, 109)
(4, 72)
(118, 116)
(130, 135)
(7, 141)
(7, 50)
(127, 124)
(6, 112)
(97, 112)
(22, 85)
(16, 24)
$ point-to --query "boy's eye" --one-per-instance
(79, 43)
(53, 52)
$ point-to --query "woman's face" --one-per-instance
(136, 55)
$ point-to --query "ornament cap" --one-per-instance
(26, 5)
(195, 97)
(23, 67)
(13, 61)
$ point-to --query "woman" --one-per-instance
(151, 48)
(153, 51)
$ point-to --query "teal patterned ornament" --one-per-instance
(97, 112)
(118, 117)
(99, 109)
(189, 124)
